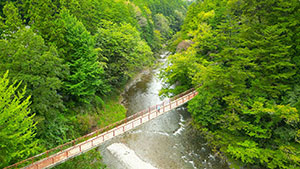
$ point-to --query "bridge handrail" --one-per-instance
(97, 132)
(181, 94)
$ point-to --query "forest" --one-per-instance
(63, 64)
(243, 56)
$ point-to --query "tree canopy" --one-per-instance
(244, 60)
(29, 60)
(124, 50)
(73, 56)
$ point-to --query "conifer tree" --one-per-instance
(17, 129)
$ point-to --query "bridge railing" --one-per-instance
(167, 104)
(181, 94)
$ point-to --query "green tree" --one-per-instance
(86, 75)
(11, 22)
(162, 24)
(91, 12)
(168, 12)
(124, 50)
(242, 61)
(41, 15)
(38, 66)
(17, 131)
(85, 11)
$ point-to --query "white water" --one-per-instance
(166, 142)
(127, 157)
(181, 124)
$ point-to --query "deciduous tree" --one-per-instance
(86, 75)
(124, 49)
(29, 60)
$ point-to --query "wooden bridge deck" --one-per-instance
(60, 154)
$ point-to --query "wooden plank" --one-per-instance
(86, 146)
(45, 163)
(59, 157)
(75, 150)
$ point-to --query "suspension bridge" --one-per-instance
(92, 140)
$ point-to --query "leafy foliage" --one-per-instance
(29, 60)
(162, 25)
(86, 73)
(243, 61)
(125, 51)
(71, 54)
(17, 129)
(90, 160)
(12, 20)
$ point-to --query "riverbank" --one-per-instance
(139, 74)
(166, 142)
(139, 92)
(110, 112)
(112, 109)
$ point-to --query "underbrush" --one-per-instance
(87, 122)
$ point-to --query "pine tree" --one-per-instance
(17, 129)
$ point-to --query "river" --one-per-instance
(167, 142)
